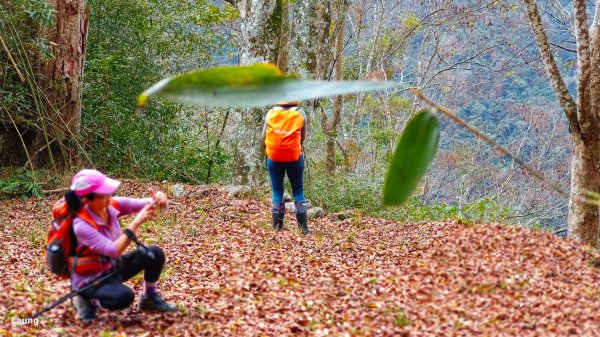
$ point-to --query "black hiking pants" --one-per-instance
(112, 293)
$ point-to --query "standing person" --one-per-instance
(284, 133)
(99, 238)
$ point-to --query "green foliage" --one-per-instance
(40, 11)
(382, 136)
(484, 210)
(217, 15)
(411, 21)
(401, 320)
(414, 153)
(371, 103)
(387, 39)
(19, 25)
(399, 103)
(344, 192)
(132, 44)
(22, 183)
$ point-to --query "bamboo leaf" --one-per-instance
(250, 86)
(414, 153)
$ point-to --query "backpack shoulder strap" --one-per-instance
(85, 215)
(115, 204)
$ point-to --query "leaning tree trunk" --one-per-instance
(62, 84)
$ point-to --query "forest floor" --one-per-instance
(231, 275)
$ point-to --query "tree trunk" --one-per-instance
(284, 38)
(330, 127)
(309, 48)
(260, 32)
(62, 84)
(585, 176)
(261, 28)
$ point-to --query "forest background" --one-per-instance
(479, 58)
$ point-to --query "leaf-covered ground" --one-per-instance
(233, 276)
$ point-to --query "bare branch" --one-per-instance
(584, 66)
(562, 92)
(557, 45)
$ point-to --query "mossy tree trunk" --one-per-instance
(261, 28)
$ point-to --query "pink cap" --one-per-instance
(89, 181)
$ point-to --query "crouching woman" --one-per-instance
(101, 243)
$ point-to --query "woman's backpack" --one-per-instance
(61, 243)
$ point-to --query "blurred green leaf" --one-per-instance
(250, 86)
(414, 153)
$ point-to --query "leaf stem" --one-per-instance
(595, 197)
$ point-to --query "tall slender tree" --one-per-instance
(582, 113)
(331, 124)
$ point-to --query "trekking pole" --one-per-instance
(89, 284)
(98, 279)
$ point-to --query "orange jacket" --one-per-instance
(284, 133)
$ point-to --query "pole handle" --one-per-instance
(131, 235)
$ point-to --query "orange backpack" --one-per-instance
(61, 251)
(283, 134)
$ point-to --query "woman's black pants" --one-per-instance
(112, 293)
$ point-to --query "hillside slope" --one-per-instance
(358, 277)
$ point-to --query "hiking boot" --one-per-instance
(85, 310)
(302, 217)
(154, 302)
(278, 213)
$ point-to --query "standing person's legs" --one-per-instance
(295, 173)
(277, 174)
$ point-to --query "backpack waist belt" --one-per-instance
(88, 264)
